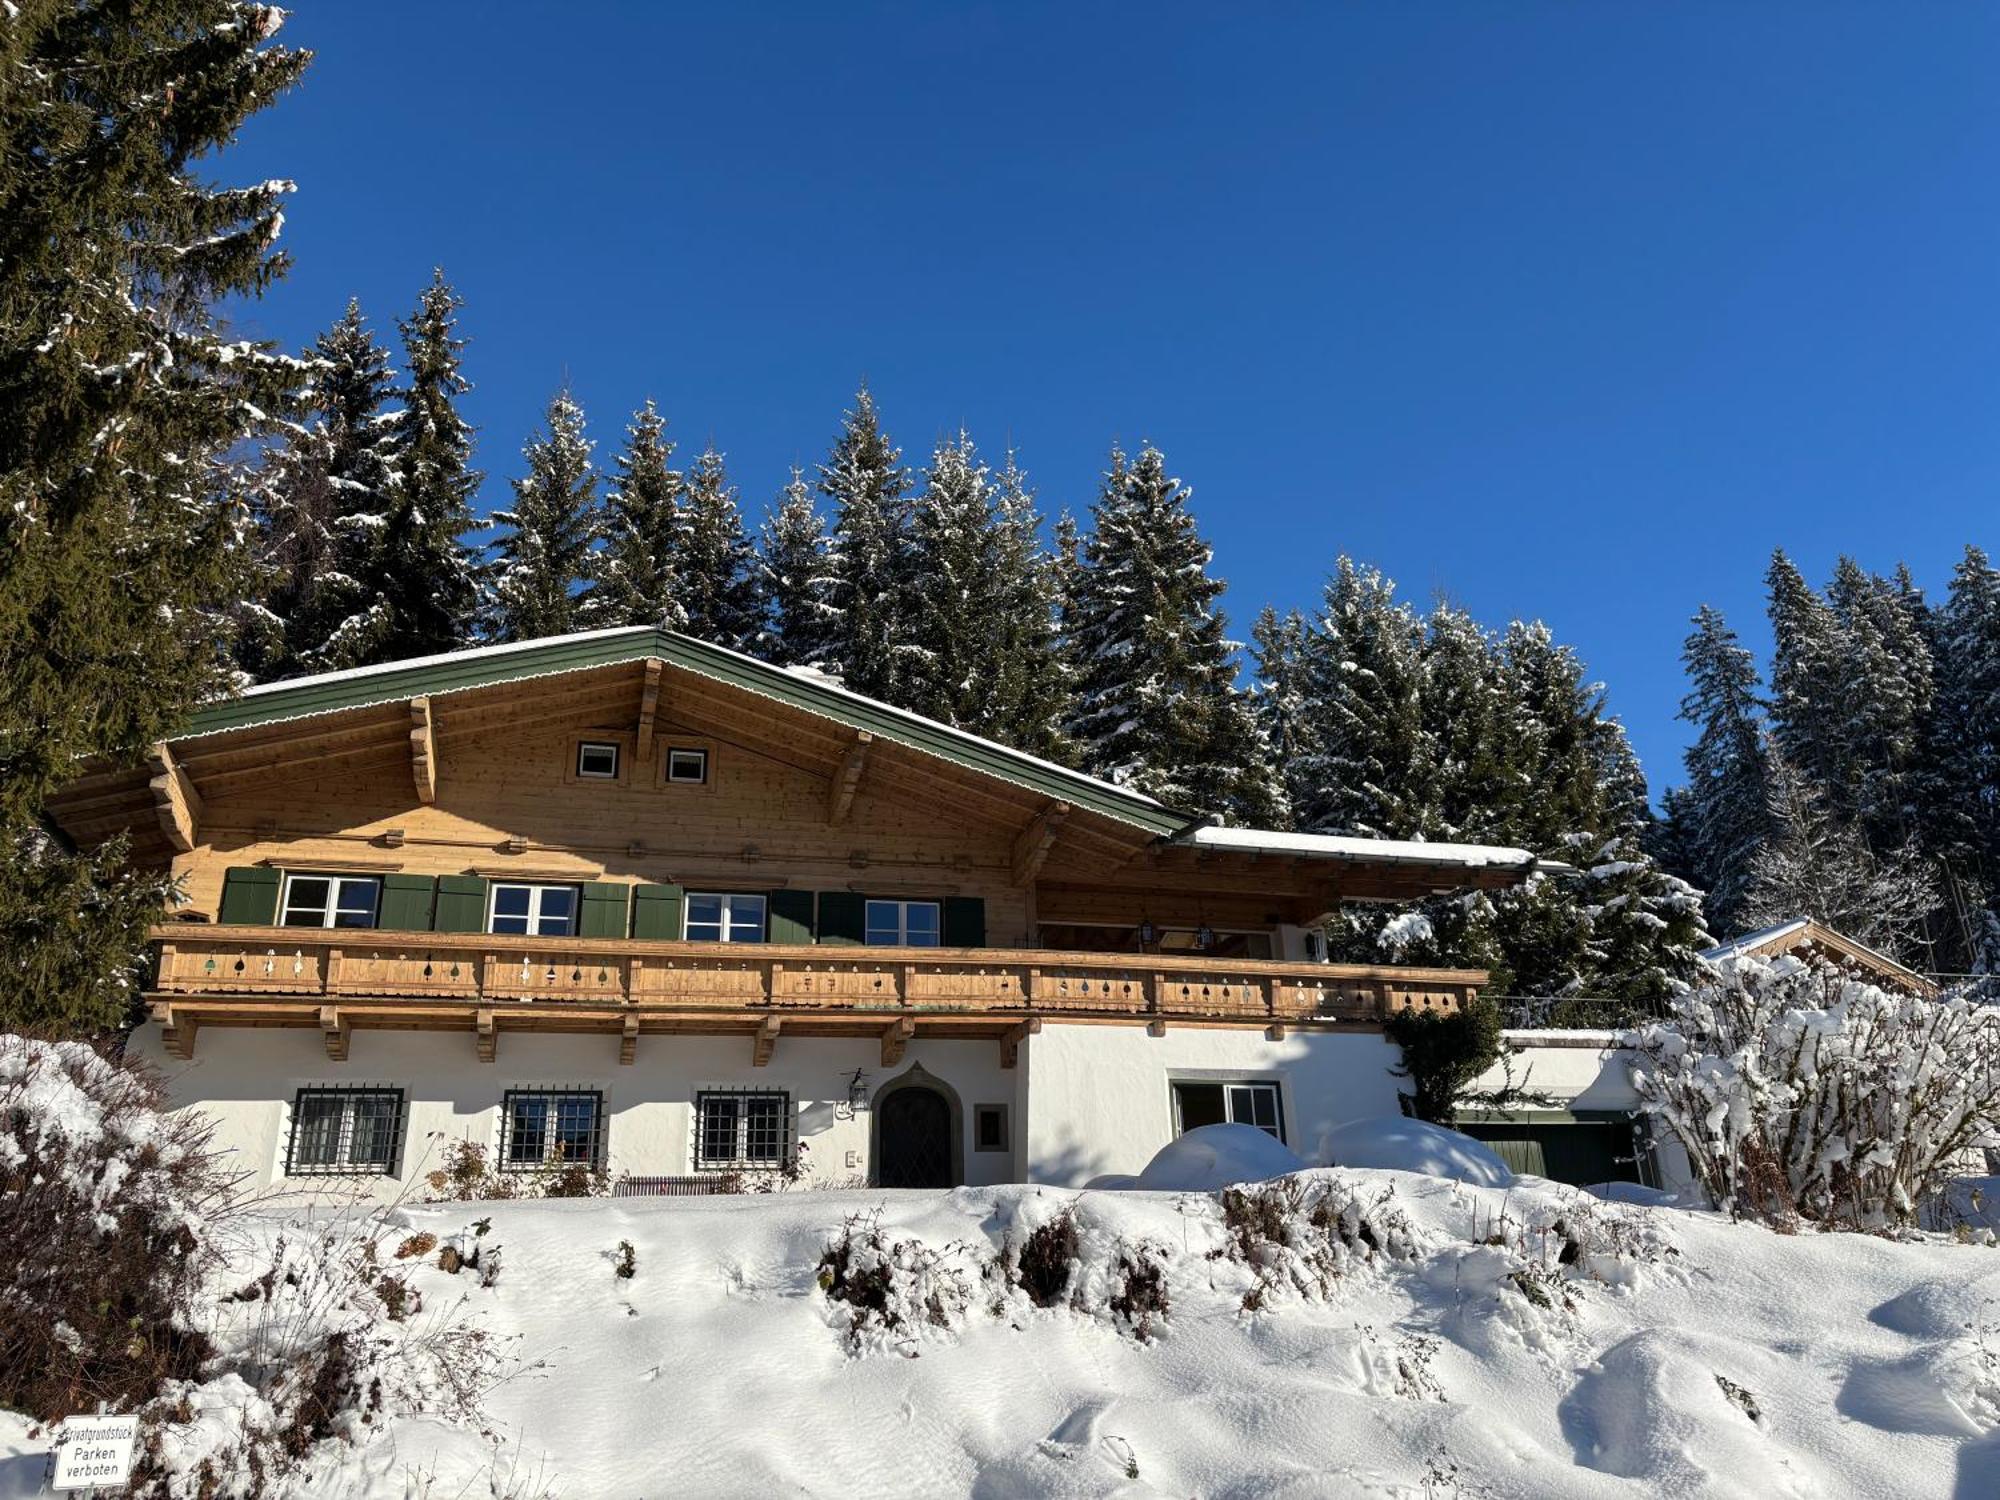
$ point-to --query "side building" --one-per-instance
(628, 899)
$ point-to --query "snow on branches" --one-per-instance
(1795, 1089)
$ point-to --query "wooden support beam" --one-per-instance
(895, 1038)
(628, 1042)
(1010, 1044)
(766, 1042)
(847, 780)
(1156, 1028)
(423, 750)
(486, 1036)
(177, 1032)
(649, 708)
(1032, 844)
(334, 1028)
(1274, 1033)
(175, 800)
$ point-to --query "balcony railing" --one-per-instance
(290, 963)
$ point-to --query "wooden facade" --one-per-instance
(442, 779)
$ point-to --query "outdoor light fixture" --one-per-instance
(1148, 934)
(1204, 937)
(857, 1090)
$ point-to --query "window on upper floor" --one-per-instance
(345, 1131)
(597, 760)
(1228, 1102)
(748, 1129)
(722, 917)
(903, 924)
(330, 901)
(551, 1128)
(533, 910)
(687, 767)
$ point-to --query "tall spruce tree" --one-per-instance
(1362, 672)
(638, 572)
(120, 518)
(542, 556)
(1031, 683)
(1278, 704)
(1722, 815)
(1888, 688)
(1959, 793)
(1808, 710)
(425, 579)
(323, 500)
(1157, 704)
(718, 569)
(865, 482)
(795, 577)
(950, 658)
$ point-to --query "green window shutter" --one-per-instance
(964, 921)
(603, 914)
(406, 902)
(843, 917)
(791, 918)
(249, 896)
(656, 912)
(461, 904)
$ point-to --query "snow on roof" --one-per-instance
(1380, 851)
(1743, 944)
(470, 653)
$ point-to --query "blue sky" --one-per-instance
(1560, 310)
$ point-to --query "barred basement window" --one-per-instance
(346, 1132)
(743, 1129)
(551, 1128)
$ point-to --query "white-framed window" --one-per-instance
(532, 910)
(551, 1128)
(742, 1129)
(1199, 1102)
(597, 760)
(330, 901)
(345, 1131)
(687, 767)
(720, 917)
(903, 924)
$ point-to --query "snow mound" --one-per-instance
(1636, 1193)
(1218, 1156)
(1391, 1144)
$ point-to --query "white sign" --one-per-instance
(94, 1452)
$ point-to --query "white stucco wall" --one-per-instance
(1100, 1101)
(245, 1079)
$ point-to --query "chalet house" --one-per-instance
(631, 899)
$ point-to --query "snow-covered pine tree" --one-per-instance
(542, 557)
(949, 658)
(1278, 703)
(120, 521)
(1722, 815)
(1818, 864)
(1031, 688)
(638, 571)
(1362, 678)
(795, 578)
(1465, 781)
(1887, 694)
(1808, 712)
(718, 569)
(323, 498)
(864, 480)
(1961, 791)
(1157, 704)
(425, 577)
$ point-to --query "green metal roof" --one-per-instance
(485, 666)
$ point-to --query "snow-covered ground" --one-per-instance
(1416, 1337)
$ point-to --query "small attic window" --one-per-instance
(687, 767)
(597, 760)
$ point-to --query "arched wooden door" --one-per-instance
(913, 1139)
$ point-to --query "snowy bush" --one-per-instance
(1794, 1089)
(108, 1212)
(134, 1272)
